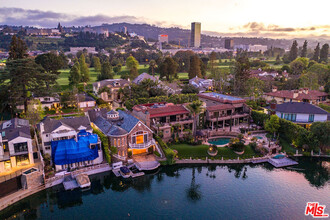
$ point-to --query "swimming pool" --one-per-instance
(259, 137)
(219, 141)
(279, 156)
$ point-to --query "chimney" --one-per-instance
(295, 94)
(274, 89)
(306, 90)
(273, 106)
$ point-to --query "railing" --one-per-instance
(142, 146)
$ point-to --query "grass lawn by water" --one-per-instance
(185, 151)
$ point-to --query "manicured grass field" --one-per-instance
(200, 151)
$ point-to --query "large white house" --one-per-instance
(72, 139)
(300, 112)
(16, 147)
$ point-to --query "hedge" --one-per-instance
(105, 144)
(169, 153)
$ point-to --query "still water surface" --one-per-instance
(188, 192)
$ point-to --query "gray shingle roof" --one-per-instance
(74, 122)
(14, 128)
(122, 126)
(299, 107)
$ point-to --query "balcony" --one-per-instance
(143, 146)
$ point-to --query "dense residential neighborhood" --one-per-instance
(116, 101)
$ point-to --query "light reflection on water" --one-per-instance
(194, 192)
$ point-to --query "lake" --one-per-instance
(188, 192)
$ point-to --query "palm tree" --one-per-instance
(195, 108)
(193, 192)
(152, 65)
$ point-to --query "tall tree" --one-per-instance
(17, 49)
(75, 77)
(152, 67)
(168, 68)
(133, 73)
(195, 67)
(25, 77)
(272, 125)
(106, 72)
(51, 63)
(241, 73)
(213, 57)
(255, 87)
(131, 63)
(324, 53)
(195, 109)
(316, 54)
(304, 50)
(293, 51)
(221, 79)
(84, 71)
(96, 64)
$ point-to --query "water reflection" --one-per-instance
(316, 171)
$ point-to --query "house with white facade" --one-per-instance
(85, 101)
(300, 112)
(16, 149)
(45, 102)
(70, 142)
(202, 84)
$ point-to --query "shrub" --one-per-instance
(156, 153)
(105, 144)
(238, 147)
(169, 153)
(129, 153)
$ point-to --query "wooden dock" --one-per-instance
(283, 162)
(69, 183)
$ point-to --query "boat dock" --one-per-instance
(283, 162)
(131, 167)
(69, 183)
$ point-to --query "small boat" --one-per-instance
(83, 181)
(125, 172)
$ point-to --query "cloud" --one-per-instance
(38, 18)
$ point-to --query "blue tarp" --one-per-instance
(69, 151)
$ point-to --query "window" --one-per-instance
(22, 160)
(290, 100)
(281, 115)
(20, 147)
(47, 143)
(284, 99)
(311, 118)
(290, 117)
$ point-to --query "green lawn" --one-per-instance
(63, 79)
(286, 146)
(200, 151)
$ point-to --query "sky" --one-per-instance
(260, 18)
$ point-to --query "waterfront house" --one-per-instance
(202, 84)
(301, 95)
(223, 110)
(124, 131)
(70, 135)
(16, 148)
(161, 117)
(299, 112)
(108, 89)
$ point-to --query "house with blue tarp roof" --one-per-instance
(72, 153)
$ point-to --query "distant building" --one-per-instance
(42, 32)
(45, 102)
(163, 38)
(195, 38)
(16, 147)
(75, 50)
(299, 112)
(202, 84)
(124, 29)
(257, 48)
(301, 95)
(251, 48)
(85, 101)
(229, 44)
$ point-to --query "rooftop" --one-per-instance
(161, 109)
(299, 107)
(221, 98)
(300, 94)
